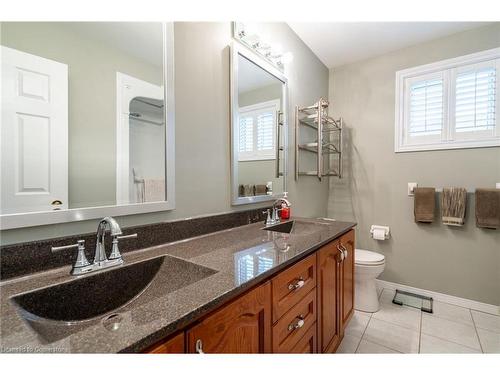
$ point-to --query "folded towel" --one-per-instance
(453, 201)
(488, 208)
(154, 190)
(424, 204)
(248, 190)
(260, 189)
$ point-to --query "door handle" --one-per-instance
(344, 250)
(199, 347)
(342, 255)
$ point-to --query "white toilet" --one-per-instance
(368, 265)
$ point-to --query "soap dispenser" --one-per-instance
(285, 208)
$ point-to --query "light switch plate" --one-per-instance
(411, 186)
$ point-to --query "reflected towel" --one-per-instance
(241, 191)
(154, 190)
(260, 189)
(424, 204)
(248, 190)
(453, 203)
(488, 208)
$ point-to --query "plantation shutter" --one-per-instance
(475, 99)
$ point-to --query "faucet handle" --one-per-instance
(81, 265)
(269, 220)
(115, 251)
(127, 236)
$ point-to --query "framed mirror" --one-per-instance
(87, 121)
(259, 99)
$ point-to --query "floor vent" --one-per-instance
(413, 300)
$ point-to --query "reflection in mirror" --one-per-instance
(259, 136)
(83, 115)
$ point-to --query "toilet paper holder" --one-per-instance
(387, 231)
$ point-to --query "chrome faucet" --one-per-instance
(280, 201)
(82, 265)
(100, 252)
(273, 216)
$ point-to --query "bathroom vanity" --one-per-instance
(248, 289)
(301, 309)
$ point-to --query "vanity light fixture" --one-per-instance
(246, 34)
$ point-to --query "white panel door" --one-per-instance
(34, 133)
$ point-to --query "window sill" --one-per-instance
(263, 158)
(495, 142)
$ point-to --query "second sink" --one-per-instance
(298, 227)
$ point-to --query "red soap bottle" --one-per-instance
(285, 209)
(285, 212)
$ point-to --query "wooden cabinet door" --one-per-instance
(347, 276)
(174, 345)
(243, 326)
(328, 300)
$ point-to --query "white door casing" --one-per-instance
(128, 88)
(34, 133)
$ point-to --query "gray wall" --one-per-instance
(202, 129)
(262, 94)
(462, 261)
(92, 67)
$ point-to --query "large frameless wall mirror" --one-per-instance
(258, 128)
(87, 120)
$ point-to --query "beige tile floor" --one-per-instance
(401, 329)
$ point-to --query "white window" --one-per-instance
(449, 104)
(257, 128)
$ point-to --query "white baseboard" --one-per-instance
(458, 301)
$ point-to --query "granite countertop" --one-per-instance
(197, 276)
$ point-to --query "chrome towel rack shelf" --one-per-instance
(328, 140)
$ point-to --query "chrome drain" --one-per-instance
(112, 322)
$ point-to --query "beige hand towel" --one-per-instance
(453, 202)
(248, 190)
(241, 191)
(260, 190)
(424, 204)
(488, 208)
(154, 190)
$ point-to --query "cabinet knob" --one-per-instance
(298, 324)
(297, 285)
(199, 347)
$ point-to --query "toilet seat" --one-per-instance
(368, 258)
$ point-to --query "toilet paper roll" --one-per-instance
(379, 234)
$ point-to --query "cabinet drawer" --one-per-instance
(308, 344)
(288, 331)
(291, 285)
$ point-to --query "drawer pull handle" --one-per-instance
(298, 324)
(199, 347)
(297, 285)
